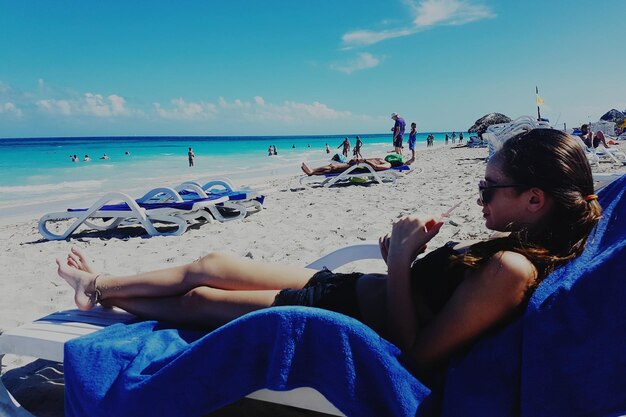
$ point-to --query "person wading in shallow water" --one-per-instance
(192, 157)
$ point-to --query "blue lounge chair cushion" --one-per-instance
(177, 205)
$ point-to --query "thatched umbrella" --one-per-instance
(484, 122)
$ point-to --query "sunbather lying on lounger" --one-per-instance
(378, 164)
(592, 139)
(538, 187)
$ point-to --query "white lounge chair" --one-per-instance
(496, 135)
(591, 155)
(355, 173)
(44, 339)
(249, 198)
(160, 205)
(613, 154)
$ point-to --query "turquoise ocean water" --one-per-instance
(40, 170)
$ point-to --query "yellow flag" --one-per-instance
(539, 100)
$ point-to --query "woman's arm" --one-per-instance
(409, 236)
(486, 297)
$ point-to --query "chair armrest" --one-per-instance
(346, 255)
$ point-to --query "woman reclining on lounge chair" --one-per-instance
(538, 188)
(378, 164)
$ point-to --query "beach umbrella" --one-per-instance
(481, 125)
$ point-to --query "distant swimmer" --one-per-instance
(275, 151)
(270, 151)
(74, 158)
(192, 157)
(87, 158)
(105, 156)
(127, 153)
(327, 148)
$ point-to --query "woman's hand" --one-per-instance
(383, 244)
(409, 237)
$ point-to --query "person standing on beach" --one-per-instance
(327, 148)
(447, 138)
(398, 132)
(412, 139)
(192, 157)
(453, 138)
(346, 147)
(357, 148)
(461, 138)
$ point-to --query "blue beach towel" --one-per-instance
(150, 369)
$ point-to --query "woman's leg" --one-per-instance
(325, 169)
(215, 270)
(202, 306)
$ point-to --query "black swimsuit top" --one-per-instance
(435, 278)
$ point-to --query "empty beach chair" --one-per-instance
(497, 134)
(249, 198)
(159, 206)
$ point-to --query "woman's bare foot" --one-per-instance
(81, 281)
(77, 260)
(306, 169)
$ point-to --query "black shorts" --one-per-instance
(397, 143)
(327, 290)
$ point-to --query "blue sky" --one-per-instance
(117, 67)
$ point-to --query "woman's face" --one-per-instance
(503, 204)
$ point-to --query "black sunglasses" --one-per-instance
(486, 192)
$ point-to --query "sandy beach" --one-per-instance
(297, 226)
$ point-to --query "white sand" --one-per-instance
(296, 227)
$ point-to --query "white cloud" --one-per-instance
(9, 108)
(369, 37)
(257, 110)
(183, 110)
(449, 12)
(90, 104)
(428, 14)
(363, 61)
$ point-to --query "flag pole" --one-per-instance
(537, 101)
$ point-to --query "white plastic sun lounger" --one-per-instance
(160, 205)
(249, 198)
(613, 154)
(44, 339)
(497, 134)
(355, 173)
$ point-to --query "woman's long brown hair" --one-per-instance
(552, 161)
